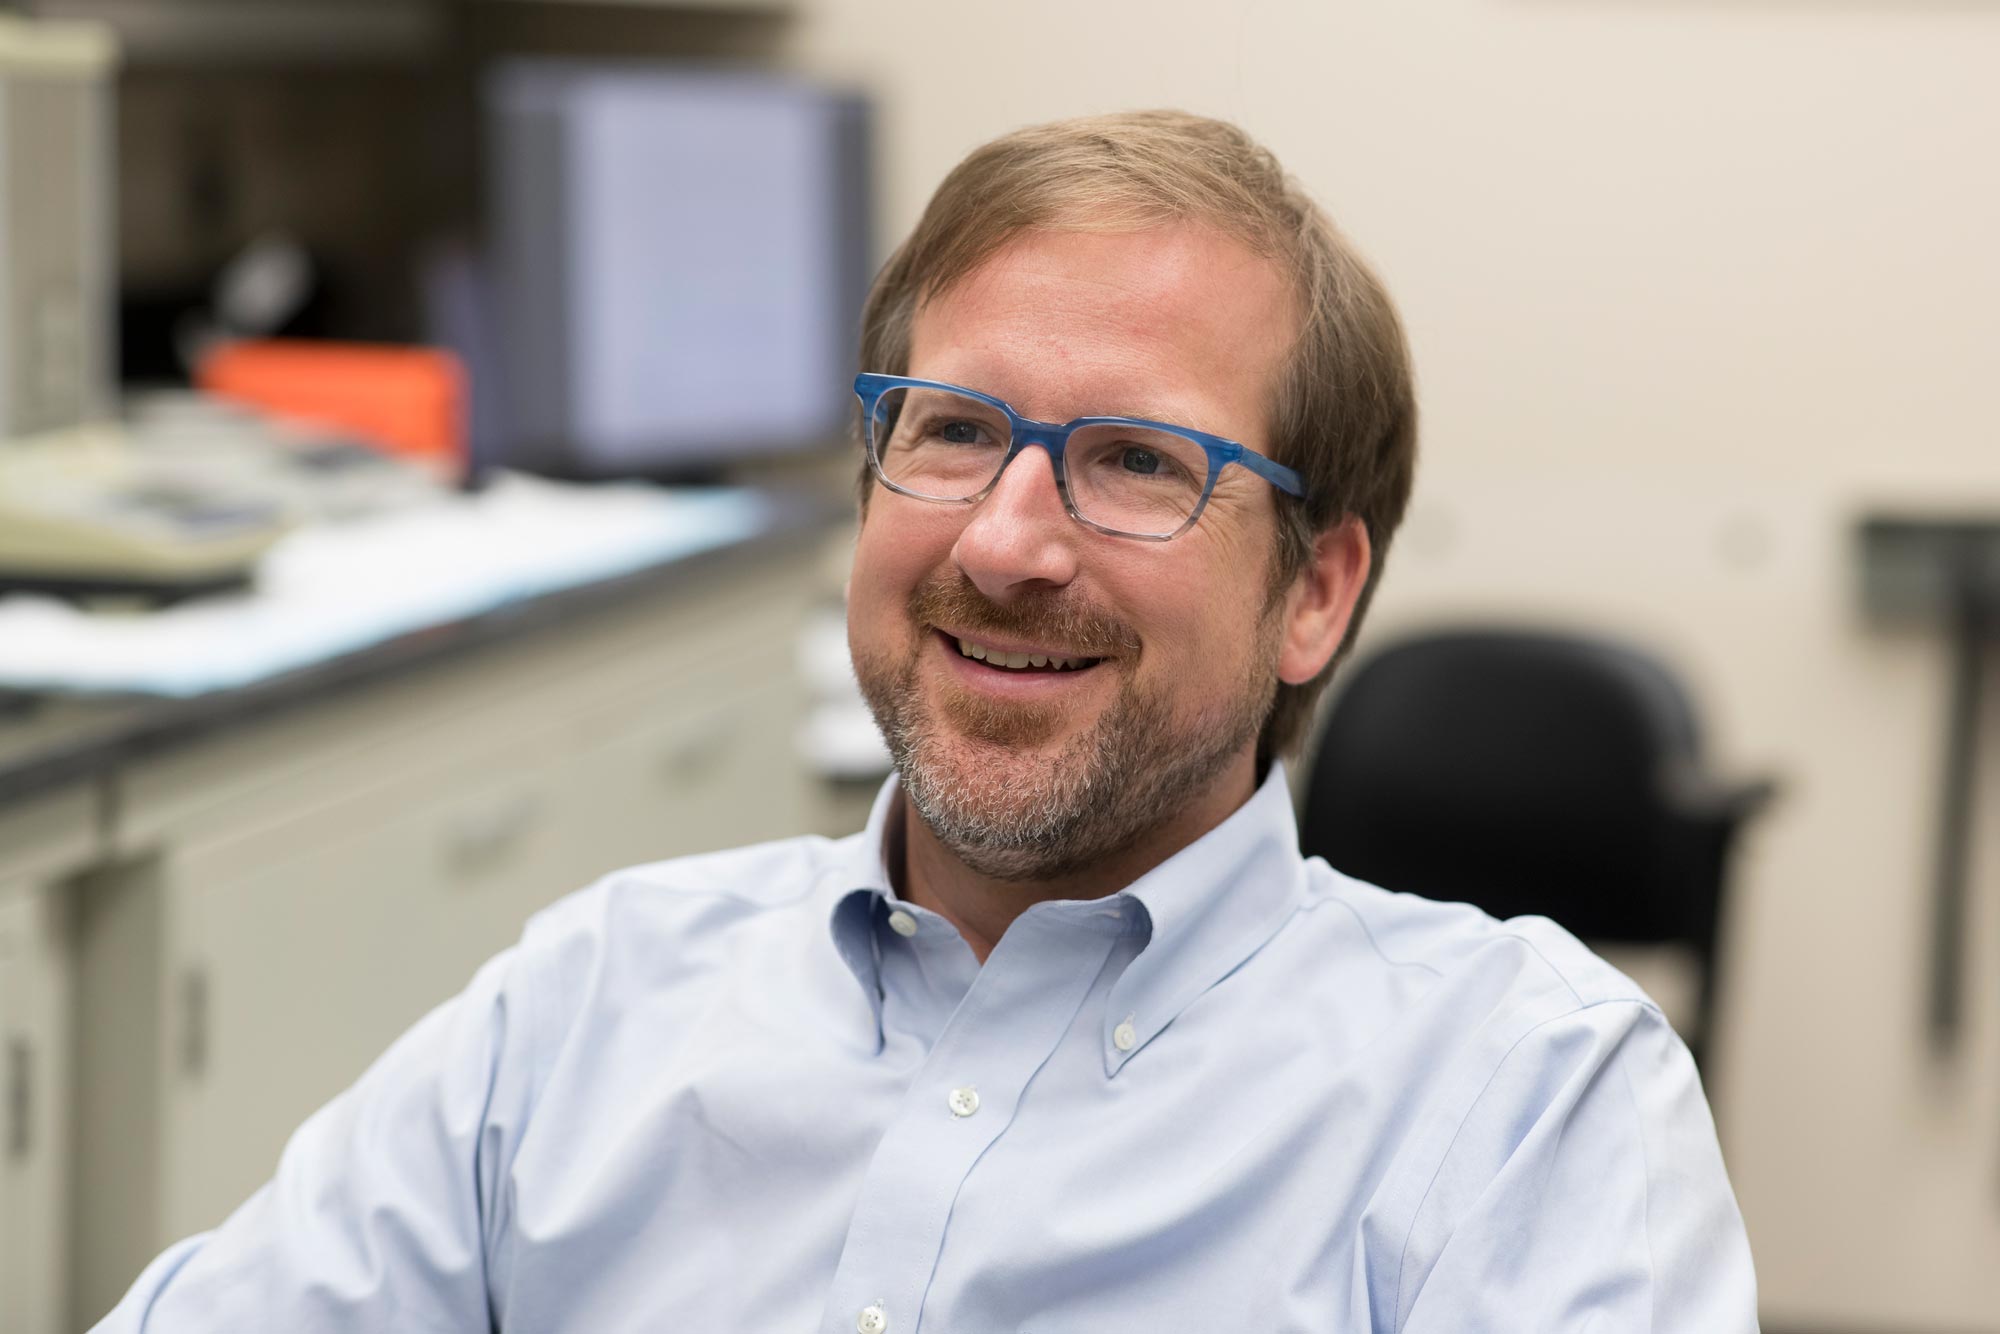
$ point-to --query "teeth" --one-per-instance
(1016, 661)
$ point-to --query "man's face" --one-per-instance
(1031, 773)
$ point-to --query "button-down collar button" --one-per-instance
(963, 1102)
(1125, 1037)
(902, 923)
(872, 1320)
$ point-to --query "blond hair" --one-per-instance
(1344, 415)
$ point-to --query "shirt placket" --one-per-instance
(962, 1098)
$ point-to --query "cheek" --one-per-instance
(890, 559)
(1191, 636)
(1205, 636)
(872, 602)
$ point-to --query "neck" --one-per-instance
(930, 874)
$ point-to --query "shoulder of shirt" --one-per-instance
(704, 891)
(1409, 931)
(671, 918)
(647, 936)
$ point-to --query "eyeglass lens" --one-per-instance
(945, 446)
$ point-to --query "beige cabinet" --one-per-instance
(41, 844)
(289, 900)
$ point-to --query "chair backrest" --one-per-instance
(1525, 773)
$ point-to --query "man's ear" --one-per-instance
(1321, 601)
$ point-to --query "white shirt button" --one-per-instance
(964, 1102)
(902, 923)
(1125, 1037)
(872, 1320)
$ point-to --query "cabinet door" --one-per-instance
(34, 1119)
(298, 953)
(302, 950)
(709, 766)
(301, 893)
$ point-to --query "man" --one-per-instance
(1070, 1038)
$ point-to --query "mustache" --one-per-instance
(1057, 618)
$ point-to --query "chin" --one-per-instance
(1022, 817)
(1022, 790)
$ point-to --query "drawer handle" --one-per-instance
(697, 750)
(479, 838)
(20, 1098)
(194, 1022)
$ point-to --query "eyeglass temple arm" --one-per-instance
(1277, 474)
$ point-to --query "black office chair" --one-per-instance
(1531, 773)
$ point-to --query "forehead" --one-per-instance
(1179, 322)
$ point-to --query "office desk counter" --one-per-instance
(215, 911)
(52, 740)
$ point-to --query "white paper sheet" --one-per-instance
(335, 588)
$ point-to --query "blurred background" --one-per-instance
(424, 487)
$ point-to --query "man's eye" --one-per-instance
(958, 432)
(1142, 461)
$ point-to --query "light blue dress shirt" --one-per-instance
(754, 1092)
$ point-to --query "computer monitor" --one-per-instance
(58, 243)
(679, 260)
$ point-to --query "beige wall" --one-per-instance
(1688, 283)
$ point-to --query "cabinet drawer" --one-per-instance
(451, 711)
(35, 1007)
(49, 834)
(718, 771)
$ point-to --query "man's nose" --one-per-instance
(1019, 535)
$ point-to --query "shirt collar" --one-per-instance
(1207, 908)
(1201, 912)
(859, 881)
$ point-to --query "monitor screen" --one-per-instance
(679, 262)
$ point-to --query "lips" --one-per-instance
(1003, 640)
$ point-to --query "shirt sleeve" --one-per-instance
(1583, 1194)
(383, 1203)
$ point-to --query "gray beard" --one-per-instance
(1130, 774)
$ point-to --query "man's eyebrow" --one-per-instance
(1168, 414)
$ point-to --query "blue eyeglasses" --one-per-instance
(1118, 475)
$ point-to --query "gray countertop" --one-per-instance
(48, 741)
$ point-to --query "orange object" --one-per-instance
(410, 400)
